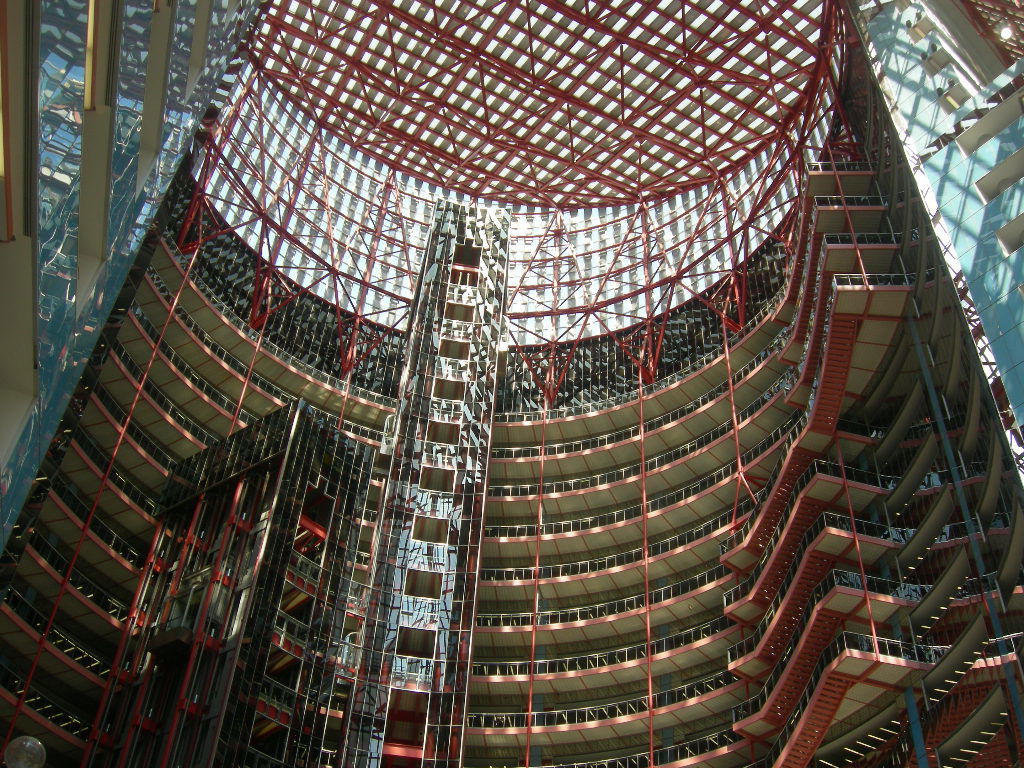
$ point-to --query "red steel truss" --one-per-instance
(296, 177)
(549, 103)
(1002, 22)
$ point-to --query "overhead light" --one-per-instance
(1006, 33)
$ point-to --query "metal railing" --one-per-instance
(833, 579)
(56, 636)
(286, 357)
(575, 446)
(143, 440)
(59, 712)
(850, 201)
(601, 659)
(601, 610)
(156, 394)
(770, 305)
(659, 501)
(606, 711)
(618, 558)
(75, 500)
(88, 588)
(101, 459)
(651, 464)
(839, 166)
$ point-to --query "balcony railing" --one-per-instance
(839, 166)
(610, 438)
(849, 201)
(136, 433)
(601, 610)
(606, 711)
(698, 363)
(158, 397)
(103, 463)
(844, 641)
(653, 463)
(789, 430)
(64, 643)
(244, 328)
(73, 498)
(835, 578)
(619, 558)
(58, 711)
(693, 747)
(862, 238)
(99, 595)
(601, 659)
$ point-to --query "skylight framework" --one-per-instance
(1002, 22)
(327, 213)
(552, 104)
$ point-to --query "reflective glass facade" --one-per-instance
(69, 314)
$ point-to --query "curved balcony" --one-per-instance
(604, 661)
(177, 378)
(187, 427)
(88, 664)
(870, 662)
(671, 458)
(809, 497)
(163, 294)
(691, 693)
(703, 364)
(750, 541)
(134, 433)
(66, 493)
(175, 361)
(780, 437)
(807, 662)
(616, 558)
(287, 361)
(763, 581)
(98, 596)
(616, 437)
(57, 716)
(102, 465)
(704, 746)
(695, 455)
(773, 634)
(871, 535)
(699, 585)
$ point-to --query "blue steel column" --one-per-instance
(416, 642)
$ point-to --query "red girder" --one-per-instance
(991, 17)
(485, 111)
(477, 113)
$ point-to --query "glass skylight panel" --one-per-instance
(550, 141)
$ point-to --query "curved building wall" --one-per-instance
(805, 539)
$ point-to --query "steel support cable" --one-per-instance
(129, 624)
(536, 580)
(644, 513)
(86, 522)
(856, 544)
(199, 635)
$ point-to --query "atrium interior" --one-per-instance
(563, 383)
